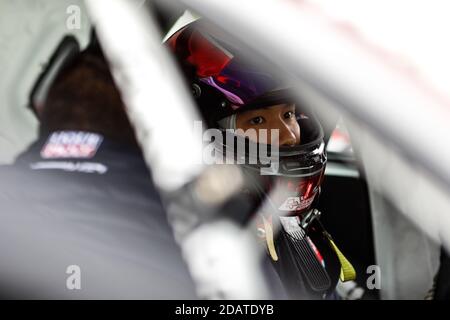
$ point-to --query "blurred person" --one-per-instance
(81, 198)
(245, 99)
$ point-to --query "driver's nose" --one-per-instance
(287, 136)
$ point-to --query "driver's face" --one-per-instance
(281, 117)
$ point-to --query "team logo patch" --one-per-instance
(71, 144)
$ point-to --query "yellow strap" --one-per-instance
(347, 271)
(269, 239)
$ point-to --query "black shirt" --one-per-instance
(77, 199)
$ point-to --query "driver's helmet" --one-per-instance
(225, 81)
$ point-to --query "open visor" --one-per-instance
(239, 146)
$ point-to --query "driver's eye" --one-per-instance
(257, 120)
(289, 115)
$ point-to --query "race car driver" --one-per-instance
(246, 99)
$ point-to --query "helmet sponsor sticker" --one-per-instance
(71, 144)
(296, 203)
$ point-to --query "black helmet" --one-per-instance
(226, 81)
